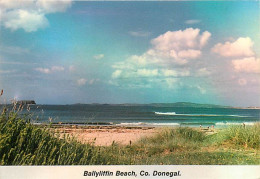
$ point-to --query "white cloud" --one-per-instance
(204, 38)
(81, 81)
(99, 56)
(29, 21)
(167, 72)
(139, 33)
(29, 15)
(43, 70)
(179, 46)
(248, 65)
(10, 4)
(190, 54)
(201, 89)
(203, 72)
(116, 73)
(188, 38)
(192, 21)
(147, 72)
(172, 47)
(51, 6)
(242, 47)
(164, 60)
(50, 70)
(174, 73)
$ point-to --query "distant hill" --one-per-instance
(178, 104)
(187, 104)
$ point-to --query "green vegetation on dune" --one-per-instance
(22, 143)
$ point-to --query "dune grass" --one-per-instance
(22, 143)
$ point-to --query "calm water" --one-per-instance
(145, 115)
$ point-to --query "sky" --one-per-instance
(65, 52)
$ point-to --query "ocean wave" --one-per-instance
(131, 123)
(147, 124)
(165, 124)
(202, 115)
(165, 113)
(235, 123)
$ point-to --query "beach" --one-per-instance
(106, 135)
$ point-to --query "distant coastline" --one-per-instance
(177, 104)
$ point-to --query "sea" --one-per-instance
(143, 115)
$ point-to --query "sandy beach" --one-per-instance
(106, 135)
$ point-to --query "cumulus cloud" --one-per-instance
(29, 15)
(99, 56)
(150, 73)
(165, 59)
(29, 21)
(116, 73)
(179, 46)
(192, 21)
(248, 65)
(204, 38)
(172, 47)
(50, 70)
(242, 47)
(175, 73)
(147, 72)
(189, 54)
(179, 40)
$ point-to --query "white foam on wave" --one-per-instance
(132, 123)
(202, 115)
(165, 124)
(166, 113)
(235, 123)
(147, 124)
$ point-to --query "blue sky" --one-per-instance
(130, 52)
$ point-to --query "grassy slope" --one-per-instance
(22, 143)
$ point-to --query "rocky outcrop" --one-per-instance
(23, 102)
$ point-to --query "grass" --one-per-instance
(22, 143)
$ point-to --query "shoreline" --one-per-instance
(218, 125)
